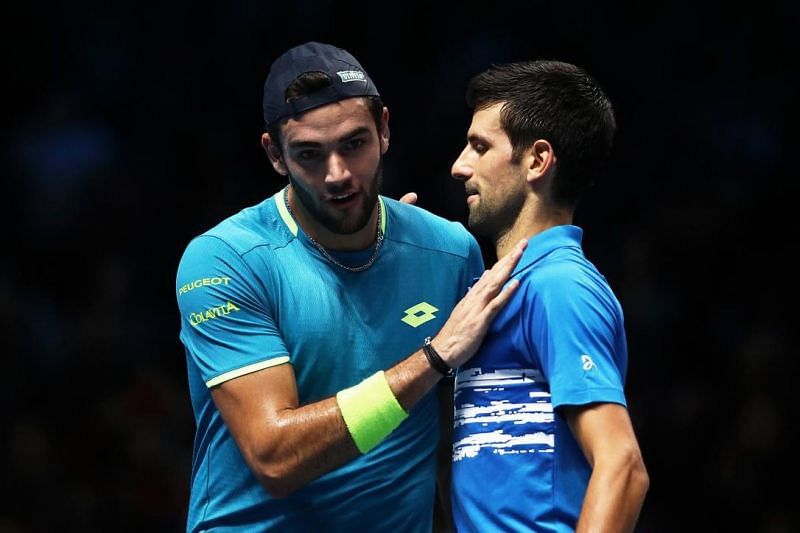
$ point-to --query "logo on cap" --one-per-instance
(351, 75)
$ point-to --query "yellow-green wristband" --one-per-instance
(370, 411)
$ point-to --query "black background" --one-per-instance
(129, 129)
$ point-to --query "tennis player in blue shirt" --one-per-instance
(542, 436)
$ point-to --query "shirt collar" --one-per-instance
(280, 203)
(545, 242)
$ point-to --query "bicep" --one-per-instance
(254, 401)
(619, 478)
(601, 429)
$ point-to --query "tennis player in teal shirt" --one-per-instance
(316, 328)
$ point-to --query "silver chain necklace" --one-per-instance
(328, 256)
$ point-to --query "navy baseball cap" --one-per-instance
(348, 79)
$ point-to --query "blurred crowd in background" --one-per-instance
(129, 129)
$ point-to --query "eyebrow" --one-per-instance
(474, 138)
(314, 144)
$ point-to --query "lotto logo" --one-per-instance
(419, 314)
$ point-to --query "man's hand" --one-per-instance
(463, 332)
(409, 198)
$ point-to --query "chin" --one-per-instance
(480, 226)
(352, 224)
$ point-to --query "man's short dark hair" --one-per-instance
(311, 82)
(555, 101)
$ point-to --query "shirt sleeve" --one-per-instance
(227, 325)
(574, 332)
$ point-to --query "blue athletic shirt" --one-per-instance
(559, 341)
(254, 292)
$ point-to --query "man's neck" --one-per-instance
(532, 220)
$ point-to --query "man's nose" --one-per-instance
(338, 170)
(460, 169)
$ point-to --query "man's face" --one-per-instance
(496, 187)
(333, 155)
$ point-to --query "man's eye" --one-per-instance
(307, 155)
(354, 144)
(480, 148)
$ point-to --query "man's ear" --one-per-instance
(384, 131)
(540, 160)
(274, 154)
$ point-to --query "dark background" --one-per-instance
(128, 129)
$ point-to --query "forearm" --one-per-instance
(299, 444)
(411, 379)
(614, 496)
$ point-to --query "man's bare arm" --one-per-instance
(619, 478)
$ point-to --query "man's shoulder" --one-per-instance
(251, 228)
(566, 275)
(415, 226)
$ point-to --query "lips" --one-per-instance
(342, 199)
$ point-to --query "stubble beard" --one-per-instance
(344, 226)
(493, 218)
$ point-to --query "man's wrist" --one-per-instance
(435, 360)
(370, 411)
